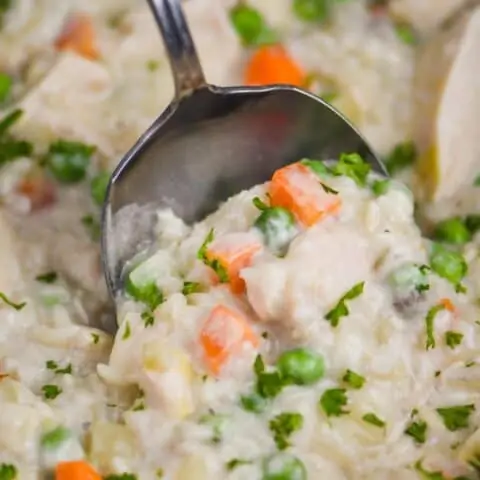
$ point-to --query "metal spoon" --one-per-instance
(210, 143)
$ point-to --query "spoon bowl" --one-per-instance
(209, 144)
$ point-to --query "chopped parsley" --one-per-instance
(9, 120)
(127, 332)
(429, 324)
(353, 379)
(49, 277)
(341, 309)
(380, 187)
(328, 189)
(98, 187)
(373, 420)
(251, 26)
(354, 166)
(406, 33)
(283, 425)
(316, 166)
(6, 83)
(456, 418)
(95, 338)
(472, 222)
(469, 364)
(417, 430)
(402, 156)
(427, 475)
(191, 287)
(235, 463)
(16, 306)
(253, 403)
(146, 292)
(68, 161)
(269, 384)
(148, 318)
(50, 392)
(92, 226)
(8, 471)
(453, 339)
(333, 402)
(448, 264)
(52, 365)
(213, 264)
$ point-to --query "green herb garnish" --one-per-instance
(95, 338)
(50, 392)
(6, 83)
(92, 226)
(341, 309)
(427, 475)
(235, 463)
(98, 187)
(317, 167)
(353, 379)
(318, 11)
(373, 420)
(453, 339)
(333, 402)
(406, 33)
(52, 365)
(456, 418)
(148, 318)
(401, 157)
(127, 332)
(7, 470)
(191, 287)
(16, 306)
(49, 277)
(429, 324)
(283, 425)
(354, 166)
(9, 120)
(418, 431)
(214, 264)
(121, 476)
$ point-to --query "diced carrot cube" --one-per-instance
(223, 334)
(234, 252)
(76, 470)
(297, 189)
(272, 64)
(79, 35)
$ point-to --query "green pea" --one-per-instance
(251, 26)
(68, 161)
(380, 187)
(98, 187)
(452, 230)
(277, 227)
(54, 438)
(301, 366)
(282, 466)
(448, 264)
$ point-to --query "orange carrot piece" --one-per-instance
(272, 64)
(223, 333)
(75, 470)
(297, 189)
(234, 252)
(448, 305)
(78, 35)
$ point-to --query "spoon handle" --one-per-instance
(186, 68)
